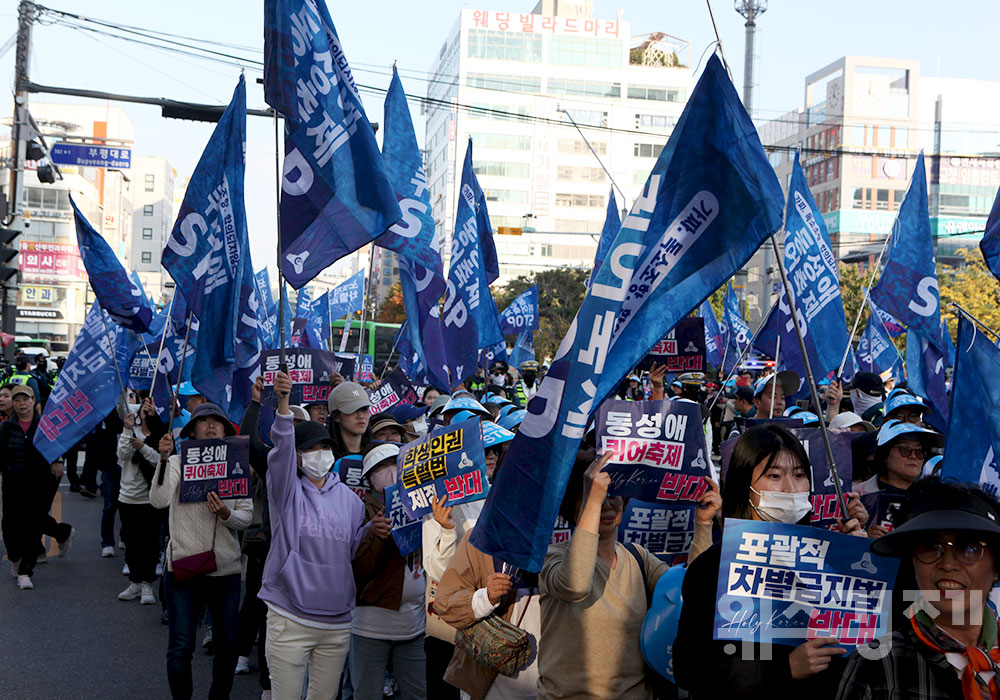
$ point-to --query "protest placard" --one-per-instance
(221, 465)
(406, 531)
(298, 332)
(395, 389)
(366, 370)
(309, 370)
(666, 530)
(882, 508)
(349, 468)
(825, 510)
(682, 350)
(141, 372)
(561, 531)
(659, 449)
(449, 460)
(786, 584)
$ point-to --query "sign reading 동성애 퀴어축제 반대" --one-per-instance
(221, 465)
(787, 584)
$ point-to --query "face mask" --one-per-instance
(381, 478)
(779, 507)
(316, 465)
(862, 402)
(498, 380)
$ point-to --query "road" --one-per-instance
(70, 638)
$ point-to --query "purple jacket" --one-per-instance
(314, 535)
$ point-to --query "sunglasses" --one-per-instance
(966, 552)
(911, 452)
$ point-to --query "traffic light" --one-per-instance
(7, 253)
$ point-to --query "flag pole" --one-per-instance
(364, 307)
(961, 309)
(277, 211)
(386, 366)
(864, 300)
(779, 258)
(774, 385)
(159, 353)
(174, 403)
(111, 346)
(738, 360)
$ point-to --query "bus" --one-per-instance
(377, 341)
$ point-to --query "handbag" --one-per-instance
(196, 564)
(497, 644)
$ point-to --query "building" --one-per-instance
(153, 219)
(514, 84)
(861, 126)
(53, 293)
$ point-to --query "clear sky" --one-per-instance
(795, 37)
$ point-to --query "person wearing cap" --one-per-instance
(459, 403)
(903, 406)
(850, 421)
(22, 375)
(900, 452)
(349, 419)
(633, 391)
(867, 390)
(769, 393)
(27, 489)
(385, 428)
(389, 619)
(769, 479)
(200, 529)
(528, 386)
(318, 411)
(316, 529)
(945, 646)
(193, 397)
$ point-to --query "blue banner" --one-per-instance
(349, 467)
(141, 372)
(682, 350)
(522, 314)
(735, 331)
(221, 466)
(335, 193)
(117, 293)
(973, 448)
(926, 376)
(303, 302)
(208, 255)
(407, 532)
(524, 348)
(826, 510)
(394, 390)
(267, 310)
(713, 335)
(875, 352)
(366, 369)
(990, 245)
(88, 386)
(449, 460)
(612, 224)
(908, 287)
(710, 201)
(890, 323)
(347, 297)
(786, 584)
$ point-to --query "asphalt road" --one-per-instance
(70, 638)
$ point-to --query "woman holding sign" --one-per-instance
(317, 525)
(769, 479)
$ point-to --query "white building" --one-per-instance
(507, 80)
(153, 219)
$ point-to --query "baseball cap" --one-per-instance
(187, 389)
(900, 400)
(16, 389)
(299, 413)
(378, 454)
(848, 419)
(310, 433)
(788, 380)
(744, 393)
(438, 404)
(868, 383)
(348, 397)
(894, 429)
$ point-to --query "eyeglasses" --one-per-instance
(914, 452)
(966, 552)
(910, 416)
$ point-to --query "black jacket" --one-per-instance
(20, 462)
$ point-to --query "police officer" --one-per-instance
(22, 375)
(528, 386)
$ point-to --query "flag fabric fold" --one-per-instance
(612, 222)
(713, 335)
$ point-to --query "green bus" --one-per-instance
(377, 341)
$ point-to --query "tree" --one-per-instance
(973, 287)
(392, 309)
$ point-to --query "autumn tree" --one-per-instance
(972, 286)
(392, 310)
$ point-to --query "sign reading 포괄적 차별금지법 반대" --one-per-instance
(450, 460)
(787, 584)
(659, 449)
(666, 530)
(221, 465)
(406, 531)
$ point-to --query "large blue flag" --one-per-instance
(875, 352)
(890, 323)
(925, 374)
(947, 346)
(267, 311)
(990, 245)
(612, 223)
(908, 287)
(88, 386)
(208, 255)
(973, 448)
(335, 193)
(713, 335)
(522, 314)
(710, 201)
(303, 302)
(736, 332)
(766, 339)
(812, 275)
(524, 348)
(169, 348)
(117, 293)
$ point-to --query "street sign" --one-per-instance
(90, 155)
(508, 231)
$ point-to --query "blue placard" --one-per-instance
(366, 370)
(406, 531)
(395, 389)
(682, 350)
(309, 370)
(349, 468)
(449, 460)
(659, 449)
(666, 531)
(882, 508)
(141, 372)
(91, 156)
(826, 511)
(221, 465)
(786, 584)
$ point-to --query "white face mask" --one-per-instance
(316, 465)
(780, 507)
(498, 380)
(862, 402)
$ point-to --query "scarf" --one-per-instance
(984, 657)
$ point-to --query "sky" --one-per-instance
(795, 38)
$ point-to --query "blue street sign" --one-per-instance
(90, 155)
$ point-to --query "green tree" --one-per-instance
(973, 287)
(560, 294)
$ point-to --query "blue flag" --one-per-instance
(88, 386)
(736, 332)
(766, 340)
(946, 345)
(710, 200)
(925, 375)
(908, 287)
(494, 353)
(990, 245)
(522, 314)
(168, 369)
(303, 302)
(347, 297)
(713, 335)
(267, 310)
(875, 352)
(335, 193)
(890, 323)
(118, 294)
(612, 223)
(524, 348)
(974, 428)
(208, 255)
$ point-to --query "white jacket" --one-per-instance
(192, 525)
(439, 544)
(134, 489)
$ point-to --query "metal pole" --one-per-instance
(277, 211)
(738, 361)
(174, 406)
(774, 385)
(990, 331)
(364, 306)
(864, 300)
(159, 353)
(599, 161)
(809, 375)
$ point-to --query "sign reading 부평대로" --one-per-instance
(221, 465)
(450, 460)
(91, 155)
(682, 350)
(310, 371)
(395, 389)
(406, 531)
(659, 449)
(665, 530)
(786, 584)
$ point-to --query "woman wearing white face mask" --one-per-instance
(769, 478)
(317, 525)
